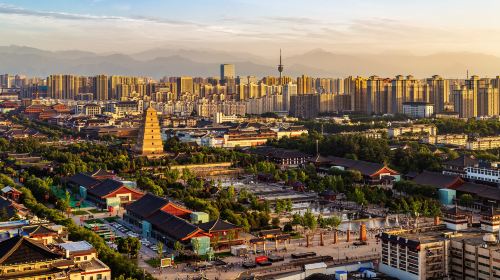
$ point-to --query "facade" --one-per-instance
(149, 141)
(484, 143)
(413, 129)
(459, 140)
(92, 109)
(112, 194)
(305, 106)
(418, 109)
(406, 256)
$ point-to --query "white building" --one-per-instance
(418, 109)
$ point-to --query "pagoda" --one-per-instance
(149, 142)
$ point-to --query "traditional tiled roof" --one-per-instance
(217, 225)
(436, 179)
(175, 227)
(462, 161)
(364, 167)
(24, 250)
(480, 190)
(82, 179)
(108, 187)
(147, 205)
(38, 229)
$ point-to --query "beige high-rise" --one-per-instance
(149, 140)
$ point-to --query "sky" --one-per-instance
(255, 26)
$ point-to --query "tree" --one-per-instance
(159, 249)
(179, 248)
(466, 199)
(309, 221)
(297, 220)
(195, 242)
(275, 222)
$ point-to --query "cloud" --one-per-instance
(13, 10)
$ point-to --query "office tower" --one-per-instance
(184, 84)
(304, 85)
(100, 87)
(464, 102)
(439, 91)
(487, 104)
(149, 141)
(227, 71)
(305, 106)
(289, 90)
(377, 95)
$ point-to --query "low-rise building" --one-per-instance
(418, 109)
(484, 143)
(416, 129)
(25, 258)
(459, 140)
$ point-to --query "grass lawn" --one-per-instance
(153, 262)
(79, 212)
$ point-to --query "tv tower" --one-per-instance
(280, 68)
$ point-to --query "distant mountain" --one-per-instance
(175, 62)
(452, 65)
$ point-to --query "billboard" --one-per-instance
(165, 262)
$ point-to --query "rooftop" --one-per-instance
(76, 246)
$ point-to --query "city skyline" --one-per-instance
(256, 27)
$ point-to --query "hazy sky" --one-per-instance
(257, 26)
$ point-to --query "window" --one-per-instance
(27, 268)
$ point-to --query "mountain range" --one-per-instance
(161, 62)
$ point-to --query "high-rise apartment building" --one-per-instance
(289, 90)
(355, 87)
(464, 102)
(439, 90)
(304, 85)
(100, 86)
(377, 95)
(62, 86)
(487, 101)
